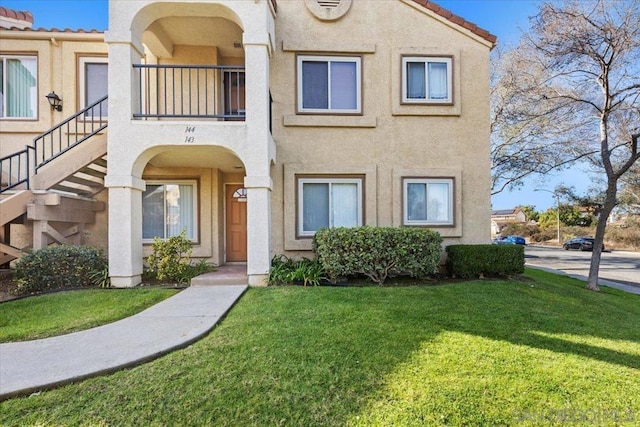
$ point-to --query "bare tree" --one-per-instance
(570, 91)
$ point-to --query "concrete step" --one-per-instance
(225, 275)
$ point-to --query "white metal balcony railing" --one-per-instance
(190, 91)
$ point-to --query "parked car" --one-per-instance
(509, 240)
(582, 243)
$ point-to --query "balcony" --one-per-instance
(214, 92)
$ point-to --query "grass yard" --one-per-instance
(63, 312)
(538, 352)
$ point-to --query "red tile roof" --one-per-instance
(53, 30)
(16, 14)
(458, 20)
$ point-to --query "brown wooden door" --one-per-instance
(236, 226)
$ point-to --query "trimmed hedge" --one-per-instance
(59, 267)
(377, 252)
(471, 261)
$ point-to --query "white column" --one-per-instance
(258, 228)
(257, 160)
(125, 189)
(125, 230)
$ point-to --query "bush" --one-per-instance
(520, 229)
(286, 270)
(544, 235)
(377, 252)
(59, 267)
(471, 261)
(170, 260)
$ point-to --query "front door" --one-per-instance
(236, 223)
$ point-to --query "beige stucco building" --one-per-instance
(251, 124)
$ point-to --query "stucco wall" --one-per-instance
(389, 140)
(58, 56)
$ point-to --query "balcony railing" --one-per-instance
(190, 91)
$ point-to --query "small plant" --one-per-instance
(285, 271)
(60, 267)
(100, 278)
(170, 258)
(308, 272)
(170, 261)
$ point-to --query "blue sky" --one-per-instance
(504, 18)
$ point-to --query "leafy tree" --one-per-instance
(530, 212)
(568, 92)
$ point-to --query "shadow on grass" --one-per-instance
(318, 356)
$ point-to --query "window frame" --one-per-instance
(426, 59)
(451, 208)
(82, 78)
(3, 58)
(196, 214)
(357, 60)
(301, 180)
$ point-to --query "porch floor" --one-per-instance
(225, 275)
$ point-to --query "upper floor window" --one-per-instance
(93, 81)
(426, 80)
(428, 201)
(328, 202)
(329, 84)
(19, 87)
(168, 207)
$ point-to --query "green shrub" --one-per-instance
(170, 260)
(59, 267)
(471, 261)
(377, 252)
(285, 270)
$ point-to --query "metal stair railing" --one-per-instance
(14, 169)
(19, 167)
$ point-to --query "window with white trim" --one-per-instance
(329, 84)
(428, 201)
(168, 207)
(94, 83)
(328, 202)
(427, 79)
(18, 87)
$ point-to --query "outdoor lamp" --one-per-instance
(55, 101)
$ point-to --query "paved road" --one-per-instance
(622, 267)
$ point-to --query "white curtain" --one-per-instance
(438, 204)
(344, 203)
(438, 87)
(21, 87)
(416, 81)
(344, 82)
(186, 218)
(167, 210)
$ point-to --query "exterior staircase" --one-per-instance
(51, 183)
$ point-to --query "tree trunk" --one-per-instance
(594, 268)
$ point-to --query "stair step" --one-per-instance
(101, 162)
(83, 181)
(84, 192)
(93, 172)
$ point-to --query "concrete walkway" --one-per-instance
(176, 322)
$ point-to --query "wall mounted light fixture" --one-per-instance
(55, 101)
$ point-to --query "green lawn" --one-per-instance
(63, 312)
(537, 352)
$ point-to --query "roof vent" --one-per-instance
(328, 10)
